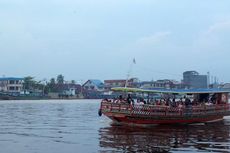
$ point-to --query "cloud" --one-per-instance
(153, 39)
(146, 45)
(218, 27)
(215, 39)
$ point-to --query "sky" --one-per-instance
(98, 39)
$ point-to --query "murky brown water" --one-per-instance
(74, 126)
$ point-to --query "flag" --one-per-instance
(134, 61)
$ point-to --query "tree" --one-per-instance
(60, 79)
(52, 81)
(51, 86)
(29, 83)
(73, 81)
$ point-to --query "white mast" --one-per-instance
(129, 72)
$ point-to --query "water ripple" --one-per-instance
(74, 126)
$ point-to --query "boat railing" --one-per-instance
(150, 110)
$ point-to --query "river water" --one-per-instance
(72, 126)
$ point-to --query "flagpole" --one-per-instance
(129, 72)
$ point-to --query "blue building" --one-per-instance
(95, 85)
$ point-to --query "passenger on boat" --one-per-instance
(106, 100)
(194, 102)
(151, 101)
(213, 99)
(187, 102)
(180, 105)
(119, 99)
(143, 100)
(139, 102)
(129, 99)
(159, 102)
(168, 102)
(208, 103)
(173, 103)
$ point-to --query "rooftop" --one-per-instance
(11, 79)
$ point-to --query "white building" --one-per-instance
(226, 86)
(11, 84)
(165, 84)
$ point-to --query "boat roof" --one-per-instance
(172, 91)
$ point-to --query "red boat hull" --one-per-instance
(121, 118)
(148, 114)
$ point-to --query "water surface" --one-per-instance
(71, 126)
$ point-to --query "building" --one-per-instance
(192, 79)
(159, 84)
(93, 89)
(93, 85)
(70, 89)
(67, 90)
(11, 84)
(226, 86)
(108, 84)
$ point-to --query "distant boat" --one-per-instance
(197, 106)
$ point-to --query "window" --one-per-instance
(11, 88)
(11, 82)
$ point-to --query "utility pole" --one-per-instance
(208, 79)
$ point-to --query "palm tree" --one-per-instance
(60, 79)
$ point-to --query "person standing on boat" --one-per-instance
(187, 102)
(129, 99)
(188, 106)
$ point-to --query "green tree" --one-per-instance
(51, 86)
(52, 81)
(29, 83)
(60, 79)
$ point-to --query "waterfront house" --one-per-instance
(166, 84)
(11, 84)
(66, 90)
(93, 89)
(108, 84)
(93, 85)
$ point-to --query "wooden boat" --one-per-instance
(211, 105)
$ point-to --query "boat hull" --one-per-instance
(121, 118)
(151, 114)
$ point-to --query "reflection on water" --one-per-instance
(164, 138)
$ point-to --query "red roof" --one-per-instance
(115, 81)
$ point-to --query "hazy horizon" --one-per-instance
(98, 39)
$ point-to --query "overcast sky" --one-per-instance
(98, 39)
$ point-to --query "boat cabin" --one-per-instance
(167, 97)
